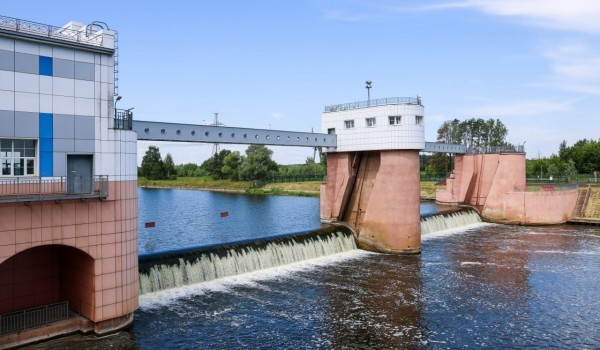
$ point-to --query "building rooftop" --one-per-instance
(93, 35)
(372, 103)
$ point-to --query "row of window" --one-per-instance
(392, 120)
(17, 157)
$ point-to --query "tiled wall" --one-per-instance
(63, 98)
(60, 95)
(408, 135)
(106, 231)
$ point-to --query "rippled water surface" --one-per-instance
(187, 218)
(491, 286)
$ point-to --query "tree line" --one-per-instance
(581, 158)
(476, 134)
(255, 164)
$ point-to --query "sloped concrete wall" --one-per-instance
(496, 185)
(380, 203)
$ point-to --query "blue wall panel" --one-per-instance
(46, 144)
(46, 161)
(45, 65)
(46, 125)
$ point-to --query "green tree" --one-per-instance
(231, 165)
(584, 153)
(258, 163)
(169, 167)
(152, 164)
(213, 166)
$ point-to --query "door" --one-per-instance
(80, 177)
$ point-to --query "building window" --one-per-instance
(370, 122)
(419, 119)
(17, 157)
(349, 124)
(331, 131)
(395, 120)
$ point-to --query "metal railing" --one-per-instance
(48, 31)
(40, 189)
(550, 187)
(496, 149)
(123, 119)
(34, 317)
(373, 103)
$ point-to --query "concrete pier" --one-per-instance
(373, 173)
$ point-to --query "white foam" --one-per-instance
(566, 252)
(225, 285)
(454, 231)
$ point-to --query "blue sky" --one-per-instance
(534, 64)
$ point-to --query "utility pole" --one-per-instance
(368, 82)
(216, 146)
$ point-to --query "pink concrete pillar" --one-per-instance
(392, 221)
(335, 191)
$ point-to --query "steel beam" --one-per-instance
(158, 131)
(444, 148)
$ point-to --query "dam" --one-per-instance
(69, 224)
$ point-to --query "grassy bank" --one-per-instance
(428, 188)
(305, 189)
(203, 182)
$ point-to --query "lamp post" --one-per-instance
(119, 97)
(368, 82)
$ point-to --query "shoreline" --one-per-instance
(231, 190)
(249, 191)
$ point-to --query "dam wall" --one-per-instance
(377, 194)
(495, 184)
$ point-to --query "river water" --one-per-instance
(484, 286)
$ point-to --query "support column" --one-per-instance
(392, 222)
(377, 194)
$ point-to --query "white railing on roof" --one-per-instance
(44, 30)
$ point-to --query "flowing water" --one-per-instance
(476, 286)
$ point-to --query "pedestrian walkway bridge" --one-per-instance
(173, 132)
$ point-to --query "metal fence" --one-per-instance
(550, 187)
(34, 317)
(373, 103)
(123, 119)
(48, 31)
(496, 149)
(26, 190)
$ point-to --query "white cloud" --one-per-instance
(277, 115)
(574, 15)
(574, 66)
(520, 109)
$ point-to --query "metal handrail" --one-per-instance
(33, 317)
(49, 31)
(373, 103)
(550, 187)
(495, 149)
(123, 119)
(40, 189)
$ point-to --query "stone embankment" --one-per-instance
(592, 210)
(588, 208)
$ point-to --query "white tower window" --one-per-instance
(349, 124)
(370, 122)
(395, 120)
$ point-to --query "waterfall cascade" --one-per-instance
(172, 269)
(444, 221)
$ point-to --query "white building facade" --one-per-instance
(383, 124)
